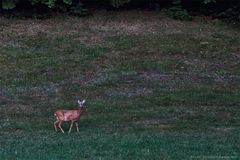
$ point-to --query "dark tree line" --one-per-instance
(180, 9)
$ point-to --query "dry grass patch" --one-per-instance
(95, 30)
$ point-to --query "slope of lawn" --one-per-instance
(156, 88)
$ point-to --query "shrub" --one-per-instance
(32, 8)
(174, 8)
(232, 13)
(177, 12)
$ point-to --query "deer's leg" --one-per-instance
(55, 125)
(77, 126)
(70, 126)
(59, 125)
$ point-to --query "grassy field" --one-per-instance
(156, 88)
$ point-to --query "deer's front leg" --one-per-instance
(70, 127)
(77, 126)
(59, 125)
(55, 125)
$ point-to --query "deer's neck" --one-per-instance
(80, 110)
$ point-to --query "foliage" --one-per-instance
(74, 7)
(209, 1)
(232, 13)
(67, 6)
(177, 12)
(176, 9)
(118, 3)
(78, 10)
(8, 4)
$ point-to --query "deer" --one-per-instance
(69, 115)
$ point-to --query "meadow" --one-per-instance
(156, 88)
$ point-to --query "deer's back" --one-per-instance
(67, 115)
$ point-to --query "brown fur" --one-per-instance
(68, 115)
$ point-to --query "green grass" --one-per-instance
(156, 88)
(121, 146)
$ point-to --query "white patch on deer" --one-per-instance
(65, 117)
(56, 116)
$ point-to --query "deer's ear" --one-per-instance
(84, 101)
(79, 102)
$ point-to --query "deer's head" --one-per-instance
(81, 103)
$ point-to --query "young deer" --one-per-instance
(69, 115)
